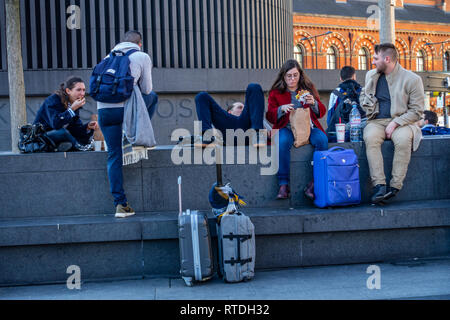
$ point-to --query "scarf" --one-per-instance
(138, 136)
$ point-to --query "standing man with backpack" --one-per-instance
(112, 83)
(341, 102)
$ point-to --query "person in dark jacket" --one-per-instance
(349, 87)
(348, 91)
(60, 116)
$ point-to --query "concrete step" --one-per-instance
(65, 184)
(39, 250)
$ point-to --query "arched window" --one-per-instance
(363, 58)
(420, 61)
(447, 61)
(331, 58)
(299, 54)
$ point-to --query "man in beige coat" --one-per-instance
(394, 101)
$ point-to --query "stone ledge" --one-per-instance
(163, 226)
(37, 185)
(160, 157)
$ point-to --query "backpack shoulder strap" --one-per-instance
(130, 52)
(115, 52)
(127, 54)
(338, 93)
(353, 91)
(123, 68)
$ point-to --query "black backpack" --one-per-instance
(344, 108)
(33, 139)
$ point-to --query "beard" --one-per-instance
(381, 68)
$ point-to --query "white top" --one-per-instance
(141, 69)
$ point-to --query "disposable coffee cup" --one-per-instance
(340, 132)
(98, 145)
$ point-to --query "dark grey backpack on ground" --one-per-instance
(235, 232)
(236, 239)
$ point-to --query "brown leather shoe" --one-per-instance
(309, 190)
(284, 193)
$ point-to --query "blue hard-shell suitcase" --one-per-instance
(336, 178)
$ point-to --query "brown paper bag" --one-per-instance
(301, 126)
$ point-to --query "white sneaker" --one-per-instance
(123, 212)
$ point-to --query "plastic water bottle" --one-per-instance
(355, 124)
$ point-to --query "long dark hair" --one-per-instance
(70, 83)
(304, 82)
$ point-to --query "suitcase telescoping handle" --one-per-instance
(179, 196)
(219, 165)
(219, 175)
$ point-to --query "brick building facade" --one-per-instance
(329, 34)
(347, 31)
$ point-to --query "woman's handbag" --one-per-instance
(33, 139)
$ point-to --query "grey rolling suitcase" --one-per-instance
(236, 240)
(196, 258)
(236, 237)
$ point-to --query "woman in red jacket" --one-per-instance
(282, 100)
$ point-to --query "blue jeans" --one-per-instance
(110, 121)
(318, 140)
(210, 113)
(61, 135)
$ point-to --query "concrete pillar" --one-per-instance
(15, 71)
(387, 21)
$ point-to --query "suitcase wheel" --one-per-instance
(188, 281)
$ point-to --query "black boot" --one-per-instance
(64, 146)
(379, 193)
(392, 192)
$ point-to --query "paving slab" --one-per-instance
(411, 279)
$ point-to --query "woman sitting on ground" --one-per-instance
(59, 114)
(282, 100)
